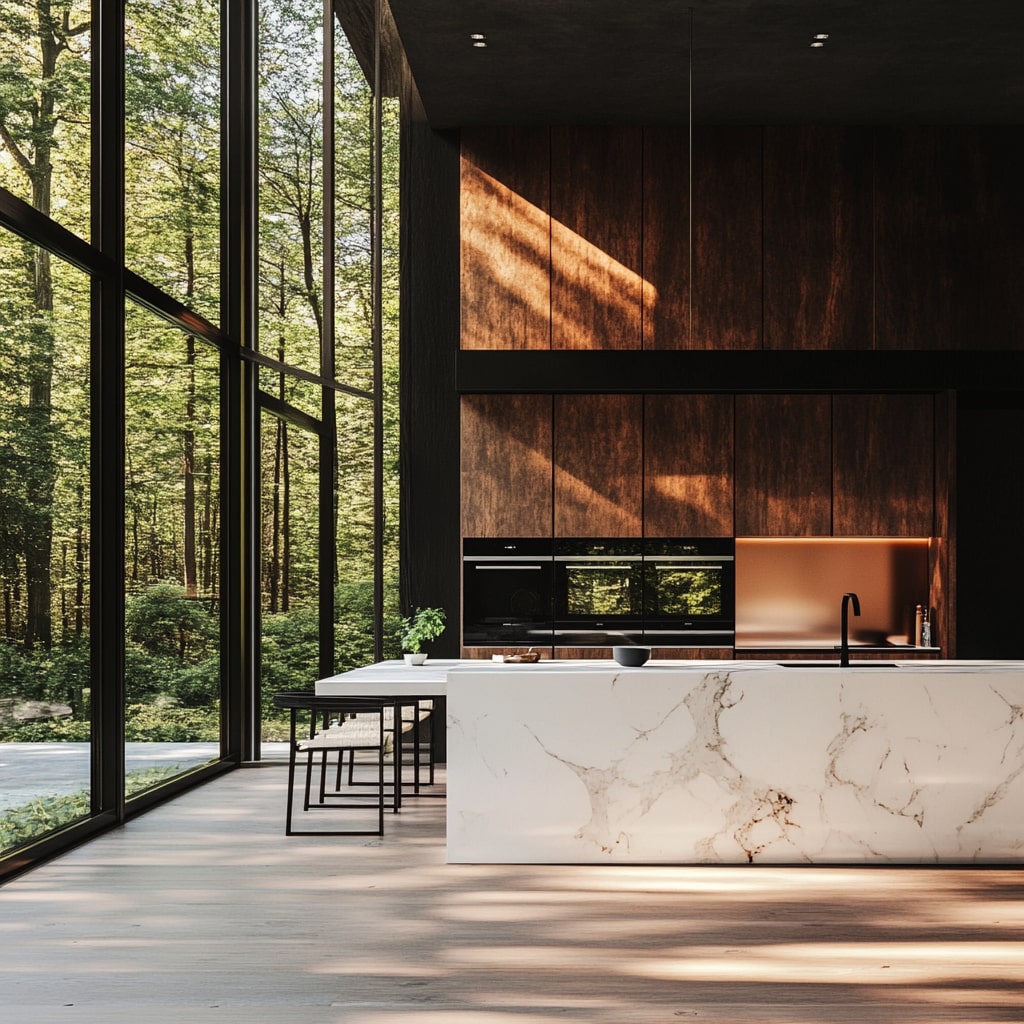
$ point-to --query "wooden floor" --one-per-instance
(202, 910)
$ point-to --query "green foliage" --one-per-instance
(163, 621)
(164, 722)
(20, 825)
(172, 389)
(423, 625)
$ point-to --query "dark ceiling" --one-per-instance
(607, 61)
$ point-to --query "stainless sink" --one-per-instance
(835, 664)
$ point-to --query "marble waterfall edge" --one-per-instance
(734, 765)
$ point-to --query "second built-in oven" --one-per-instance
(689, 592)
(598, 591)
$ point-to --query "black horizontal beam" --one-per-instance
(492, 372)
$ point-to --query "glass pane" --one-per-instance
(353, 170)
(44, 543)
(353, 599)
(172, 148)
(290, 489)
(291, 183)
(172, 563)
(44, 107)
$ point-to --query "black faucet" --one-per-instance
(844, 644)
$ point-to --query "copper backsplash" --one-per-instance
(789, 590)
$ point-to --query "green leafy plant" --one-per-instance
(423, 625)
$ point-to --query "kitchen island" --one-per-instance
(736, 763)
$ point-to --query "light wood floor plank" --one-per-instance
(202, 910)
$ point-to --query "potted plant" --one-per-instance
(423, 625)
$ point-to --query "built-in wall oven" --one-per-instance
(598, 592)
(689, 592)
(677, 592)
(506, 592)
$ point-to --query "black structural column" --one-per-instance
(239, 434)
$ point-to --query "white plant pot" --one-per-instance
(415, 659)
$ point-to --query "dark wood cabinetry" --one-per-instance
(818, 238)
(598, 465)
(720, 272)
(688, 466)
(883, 457)
(783, 466)
(613, 465)
(505, 238)
(893, 238)
(949, 211)
(595, 237)
(727, 227)
(506, 466)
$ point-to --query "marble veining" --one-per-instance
(732, 766)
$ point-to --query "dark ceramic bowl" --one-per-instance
(631, 657)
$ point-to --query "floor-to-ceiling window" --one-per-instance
(197, 460)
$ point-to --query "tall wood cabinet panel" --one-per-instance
(883, 465)
(505, 238)
(818, 238)
(598, 465)
(725, 261)
(666, 257)
(506, 465)
(783, 466)
(688, 466)
(950, 245)
(727, 238)
(595, 237)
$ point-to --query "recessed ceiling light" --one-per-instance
(821, 35)
(817, 42)
(480, 43)
(478, 39)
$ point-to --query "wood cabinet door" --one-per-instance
(883, 456)
(688, 466)
(783, 466)
(818, 237)
(598, 465)
(505, 238)
(727, 238)
(949, 248)
(506, 466)
(702, 281)
(595, 237)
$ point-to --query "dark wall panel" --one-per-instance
(990, 541)
(430, 556)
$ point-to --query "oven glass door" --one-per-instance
(598, 593)
(686, 591)
(506, 601)
(601, 590)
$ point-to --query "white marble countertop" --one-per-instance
(431, 679)
(746, 665)
(735, 762)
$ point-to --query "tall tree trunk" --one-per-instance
(208, 528)
(80, 564)
(274, 569)
(188, 471)
(286, 515)
(52, 31)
